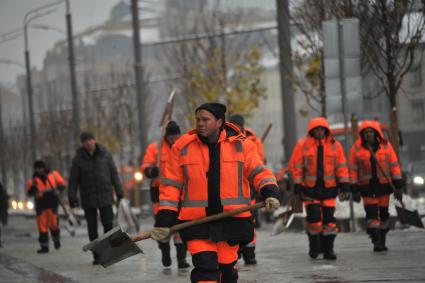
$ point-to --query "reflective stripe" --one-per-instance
(365, 177)
(327, 230)
(385, 225)
(392, 164)
(170, 182)
(397, 177)
(298, 180)
(171, 203)
(234, 201)
(354, 167)
(267, 180)
(310, 178)
(329, 178)
(372, 223)
(254, 172)
(341, 165)
(299, 166)
(354, 181)
(194, 203)
(344, 179)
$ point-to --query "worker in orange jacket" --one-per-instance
(41, 187)
(319, 173)
(209, 172)
(373, 186)
(151, 170)
(248, 251)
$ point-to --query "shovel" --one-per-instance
(404, 216)
(117, 245)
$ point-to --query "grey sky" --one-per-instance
(85, 13)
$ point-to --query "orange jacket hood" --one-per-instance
(318, 122)
(374, 125)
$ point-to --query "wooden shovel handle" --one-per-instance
(384, 174)
(178, 227)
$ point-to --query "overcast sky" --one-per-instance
(85, 13)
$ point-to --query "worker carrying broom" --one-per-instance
(152, 171)
(209, 172)
(372, 184)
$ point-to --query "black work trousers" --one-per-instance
(106, 217)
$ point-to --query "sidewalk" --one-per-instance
(282, 258)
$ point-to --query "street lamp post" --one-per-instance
(30, 16)
(73, 77)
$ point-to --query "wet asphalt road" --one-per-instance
(282, 258)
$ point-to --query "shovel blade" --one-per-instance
(409, 217)
(113, 247)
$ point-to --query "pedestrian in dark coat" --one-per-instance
(94, 173)
(4, 203)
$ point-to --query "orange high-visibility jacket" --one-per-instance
(250, 134)
(185, 183)
(150, 159)
(55, 181)
(360, 165)
(303, 162)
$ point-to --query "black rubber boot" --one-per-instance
(314, 244)
(384, 239)
(165, 252)
(328, 247)
(56, 238)
(375, 236)
(43, 250)
(248, 254)
(181, 256)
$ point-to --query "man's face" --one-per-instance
(40, 170)
(206, 123)
(319, 133)
(171, 139)
(90, 145)
(369, 135)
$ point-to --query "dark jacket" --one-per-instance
(4, 204)
(95, 176)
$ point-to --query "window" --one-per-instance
(415, 75)
(418, 112)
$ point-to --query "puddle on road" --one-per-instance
(31, 271)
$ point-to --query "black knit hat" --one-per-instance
(217, 109)
(172, 129)
(40, 164)
(86, 136)
(237, 119)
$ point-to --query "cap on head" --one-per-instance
(86, 136)
(172, 129)
(237, 119)
(217, 109)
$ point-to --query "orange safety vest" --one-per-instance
(250, 134)
(303, 163)
(150, 159)
(360, 165)
(185, 183)
(54, 180)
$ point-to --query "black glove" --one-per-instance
(33, 189)
(152, 172)
(73, 203)
(298, 189)
(398, 194)
(61, 189)
(354, 188)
